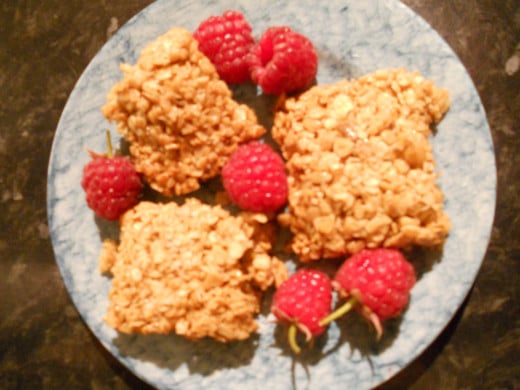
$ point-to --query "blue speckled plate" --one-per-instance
(352, 38)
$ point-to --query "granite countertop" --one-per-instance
(46, 45)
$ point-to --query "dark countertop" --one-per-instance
(45, 46)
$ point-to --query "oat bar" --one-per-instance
(178, 116)
(192, 269)
(361, 167)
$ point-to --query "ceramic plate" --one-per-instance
(352, 38)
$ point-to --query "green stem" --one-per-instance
(109, 144)
(293, 331)
(343, 309)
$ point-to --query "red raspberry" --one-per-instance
(226, 40)
(254, 178)
(111, 184)
(302, 301)
(378, 281)
(283, 61)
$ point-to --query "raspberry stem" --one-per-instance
(293, 331)
(342, 310)
(110, 150)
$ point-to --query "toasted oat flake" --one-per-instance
(192, 269)
(178, 116)
(361, 167)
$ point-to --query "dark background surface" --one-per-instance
(45, 46)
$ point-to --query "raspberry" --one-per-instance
(283, 61)
(378, 281)
(254, 178)
(226, 40)
(302, 301)
(111, 184)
